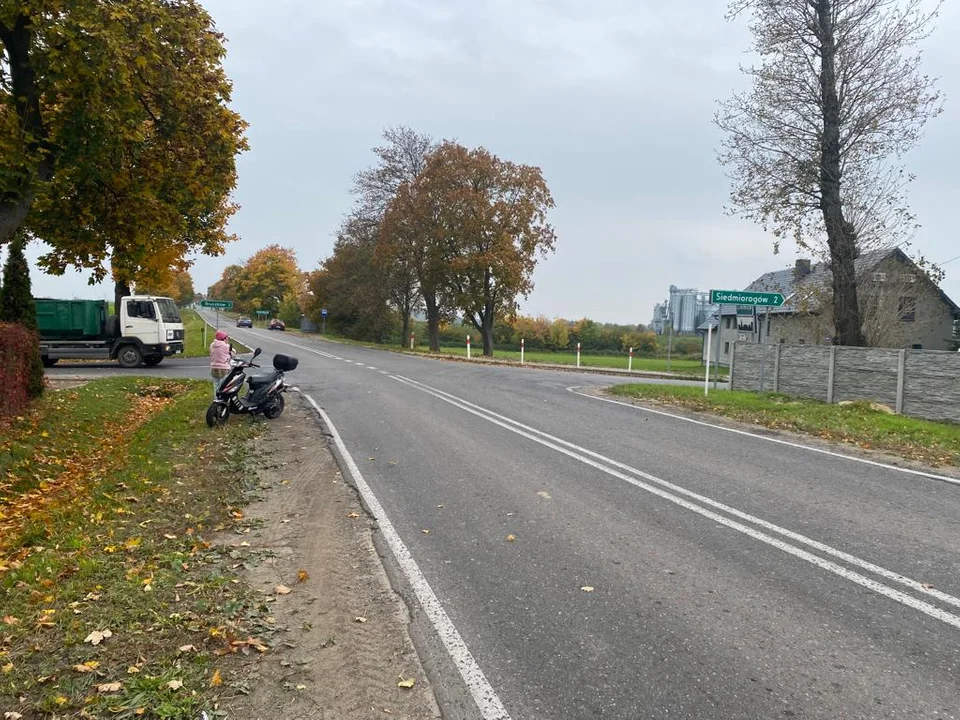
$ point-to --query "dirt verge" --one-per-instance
(341, 645)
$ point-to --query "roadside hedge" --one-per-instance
(21, 372)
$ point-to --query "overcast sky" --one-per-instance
(612, 99)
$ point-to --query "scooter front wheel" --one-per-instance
(217, 414)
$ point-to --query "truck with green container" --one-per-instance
(144, 330)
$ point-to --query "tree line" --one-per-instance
(562, 335)
(439, 229)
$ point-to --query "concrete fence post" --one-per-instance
(901, 377)
(776, 368)
(831, 372)
(733, 355)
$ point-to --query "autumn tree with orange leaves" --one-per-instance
(268, 278)
(117, 145)
(475, 227)
(173, 284)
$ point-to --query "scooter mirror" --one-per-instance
(256, 352)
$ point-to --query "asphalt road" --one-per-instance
(729, 576)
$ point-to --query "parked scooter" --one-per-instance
(264, 391)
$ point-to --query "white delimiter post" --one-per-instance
(578, 354)
(706, 379)
(468, 347)
(521, 351)
(411, 341)
(630, 361)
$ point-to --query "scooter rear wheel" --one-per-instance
(217, 414)
(273, 410)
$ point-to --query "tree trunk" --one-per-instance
(121, 289)
(18, 41)
(486, 332)
(405, 332)
(433, 321)
(13, 213)
(841, 239)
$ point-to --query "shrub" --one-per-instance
(21, 373)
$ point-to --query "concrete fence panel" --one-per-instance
(866, 374)
(932, 385)
(804, 371)
(920, 383)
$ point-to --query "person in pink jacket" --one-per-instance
(220, 354)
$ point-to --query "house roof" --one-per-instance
(711, 321)
(795, 291)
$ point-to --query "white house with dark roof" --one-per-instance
(900, 307)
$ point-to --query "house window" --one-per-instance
(879, 277)
(726, 348)
(908, 308)
(729, 322)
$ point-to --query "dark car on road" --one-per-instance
(276, 324)
(244, 322)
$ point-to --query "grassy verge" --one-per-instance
(194, 345)
(678, 365)
(858, 424)
(115, 604)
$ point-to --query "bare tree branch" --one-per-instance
(813, 149)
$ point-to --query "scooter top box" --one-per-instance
(285, 363)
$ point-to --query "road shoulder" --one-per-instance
(341, 644)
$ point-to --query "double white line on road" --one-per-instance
(711, 509)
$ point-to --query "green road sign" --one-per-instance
(745, 297)
(220, 304)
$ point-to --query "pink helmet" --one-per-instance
(221, 335)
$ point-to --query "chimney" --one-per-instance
(802, 268)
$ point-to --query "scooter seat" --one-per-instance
(261, 379)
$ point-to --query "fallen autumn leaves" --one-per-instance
(114, 604)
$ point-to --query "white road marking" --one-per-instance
(370, 367)
(486, 698)
(609, 466)
(780, 441)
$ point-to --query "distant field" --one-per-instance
(604, 361)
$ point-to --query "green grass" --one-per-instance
(108, 493)
(196, 343)
(934, 443)
(680, 365)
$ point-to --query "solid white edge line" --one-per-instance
(780, 441)
(486, 698)
(880, 588)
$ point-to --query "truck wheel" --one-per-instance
(153, 360)
(129, 356)
(48, 361)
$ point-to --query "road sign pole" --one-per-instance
(218, 318)
(706, 379)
